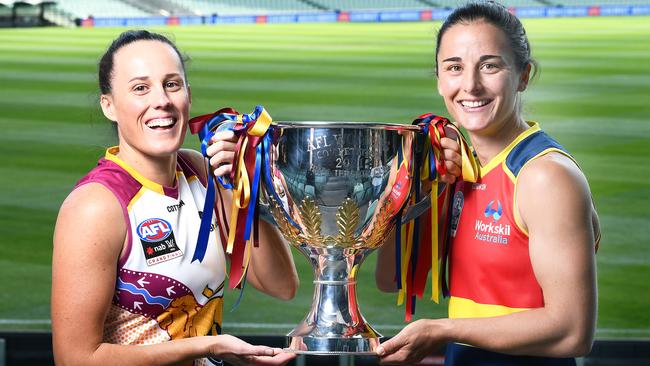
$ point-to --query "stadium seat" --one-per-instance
(105, 8)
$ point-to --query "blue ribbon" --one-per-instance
(206, 222)
(433, 172)
(241, 293)
(444, 278)
(262, 162)
(262, 155)
(252, 206)
(206, 133)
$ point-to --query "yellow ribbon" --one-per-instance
(241, 185)
(435, 268)
(470, 172)
(262, 124)
(470, 167)
(241, 194)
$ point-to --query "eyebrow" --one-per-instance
(167, 76)
(139, 78)
(482, 58)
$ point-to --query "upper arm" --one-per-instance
(555, 205)
(89, 235)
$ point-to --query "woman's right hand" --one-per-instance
(238, 352)
(222, 152)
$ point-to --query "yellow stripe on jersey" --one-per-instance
(466, 308)
(111, 154)
(501, 157)
(191, 178)
(135, 198)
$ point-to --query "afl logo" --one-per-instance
(154, 230)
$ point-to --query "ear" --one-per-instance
(189, 93)
(524, 78)
(106, 101)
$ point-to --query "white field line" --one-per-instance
(227, 325)
(25, 322)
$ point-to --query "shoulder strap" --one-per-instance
(529, 148)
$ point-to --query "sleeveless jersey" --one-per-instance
(490, 273)
(160, 294)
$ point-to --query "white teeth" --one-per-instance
(160, 122)
(473, 103)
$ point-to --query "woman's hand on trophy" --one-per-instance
(222, 152)
(237, 352)
(416, 341)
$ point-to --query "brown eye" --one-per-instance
(490, 67)
(140, 89)
(172, 85)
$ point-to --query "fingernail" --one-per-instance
(380, 351)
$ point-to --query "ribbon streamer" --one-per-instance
(205, 126)
(415, 258)
(250, 153)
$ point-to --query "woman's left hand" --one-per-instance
(222, 152)
(416, 341)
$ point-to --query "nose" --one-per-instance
(471, 81)
(160, 99)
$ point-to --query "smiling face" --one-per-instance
(477, 77)
(149, 99)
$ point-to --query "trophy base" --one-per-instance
(332, 346)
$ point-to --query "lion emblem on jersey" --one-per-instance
(186, 318)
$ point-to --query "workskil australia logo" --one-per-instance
(490, 231)
(158, 242)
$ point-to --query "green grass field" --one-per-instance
(592, 95)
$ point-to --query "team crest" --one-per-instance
(158, 242)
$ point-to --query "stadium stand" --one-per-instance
(104, 8)
(143, 8)
(509, 3)
(160, 7)
(236, 7)
(25, 13)
(375, 4)
(598, 2)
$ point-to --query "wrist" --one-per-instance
(204, 346)
(446, 329)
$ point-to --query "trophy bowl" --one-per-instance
(335, 192)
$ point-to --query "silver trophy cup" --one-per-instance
(334, 193)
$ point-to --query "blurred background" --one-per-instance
(332, 60)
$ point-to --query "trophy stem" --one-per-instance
(334, 324)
